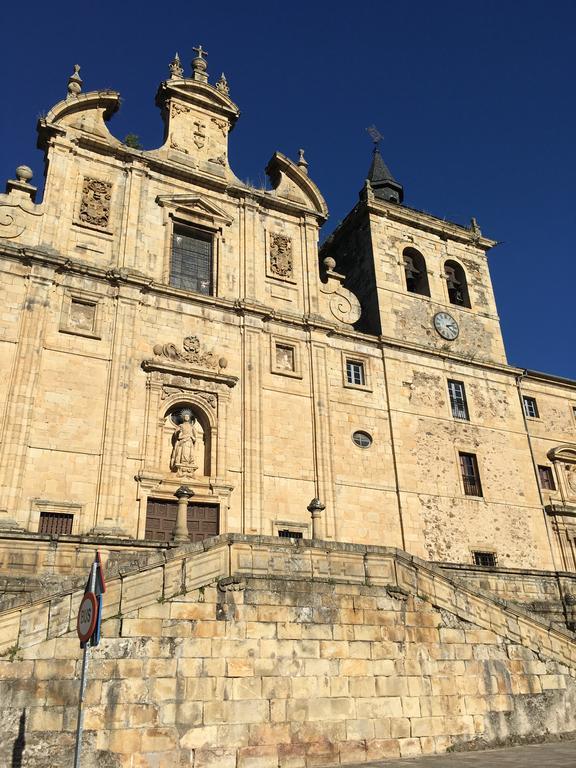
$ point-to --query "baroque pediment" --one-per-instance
(196, 207)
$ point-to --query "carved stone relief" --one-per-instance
(82, 316)
(179, 109)
(95, 202)
(281, 261)
(222, 125)
(199, 134)
(285, 358)
(191, 353)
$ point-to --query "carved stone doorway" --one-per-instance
(203, 520)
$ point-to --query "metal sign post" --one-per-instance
(88, 628)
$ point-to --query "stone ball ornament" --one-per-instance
(329, 263)
(24, 173)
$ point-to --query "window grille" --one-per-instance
(355, 373)
(470, 474)
(530, 407)
(458, 402)
(285, 533)
(55, 523)
(546, 478)
(191, 267)
(484, 558)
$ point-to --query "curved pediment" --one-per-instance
(85, 111)
(292, 183)
(566, 453)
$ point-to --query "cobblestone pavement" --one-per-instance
(557, 755)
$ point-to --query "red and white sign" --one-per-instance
(87, 617)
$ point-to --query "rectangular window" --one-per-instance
(55, 523)
(484, 558)
(530, 407)
(546, 478)
(458, 403)
(470, 474)
(284, 533)
(191, 267)
(355, 373)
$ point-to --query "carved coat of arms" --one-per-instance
(281, 262)
(95, 203)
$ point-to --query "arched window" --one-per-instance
(415, 272)
(457, 284)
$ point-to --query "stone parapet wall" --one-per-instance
(252, 652)
(550, 594)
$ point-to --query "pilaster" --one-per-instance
(19, 412)
(252, 429)
(320, 404)
(112, 474)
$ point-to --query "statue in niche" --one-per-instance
(182, 459)
(571, 477)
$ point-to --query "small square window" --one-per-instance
(546, 478)
(458, 404)
(286, 533)
(530, 407)
(485, 558)
(355, 374)
(55, 523)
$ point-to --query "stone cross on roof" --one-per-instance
(200, 51)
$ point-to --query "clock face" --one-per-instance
(446, 326)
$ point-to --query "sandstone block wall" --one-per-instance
(248, 652)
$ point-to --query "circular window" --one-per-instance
(362, 439)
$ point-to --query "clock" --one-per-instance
(446, 326)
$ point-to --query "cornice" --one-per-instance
(426, 222)
(240, 307)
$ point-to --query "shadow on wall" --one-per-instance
(19, 743)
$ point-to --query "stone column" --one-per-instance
(181, 535)
(316, 508)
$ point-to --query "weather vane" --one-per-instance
(375, 135)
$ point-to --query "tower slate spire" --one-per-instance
(384, 185)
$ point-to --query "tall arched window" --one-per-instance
(415, 272)
(457, 284)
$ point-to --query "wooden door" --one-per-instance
(161, 519)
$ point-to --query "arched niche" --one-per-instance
(456, 283)
(415, 272)
(564, 459)
(204, 426)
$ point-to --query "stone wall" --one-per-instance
(251, 652)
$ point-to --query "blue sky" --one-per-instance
(475, 102)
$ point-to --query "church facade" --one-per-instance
(179, 352)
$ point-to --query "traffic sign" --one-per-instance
(87, 617)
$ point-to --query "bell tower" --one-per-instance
(422, 281)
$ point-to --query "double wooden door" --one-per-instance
(161, 519)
